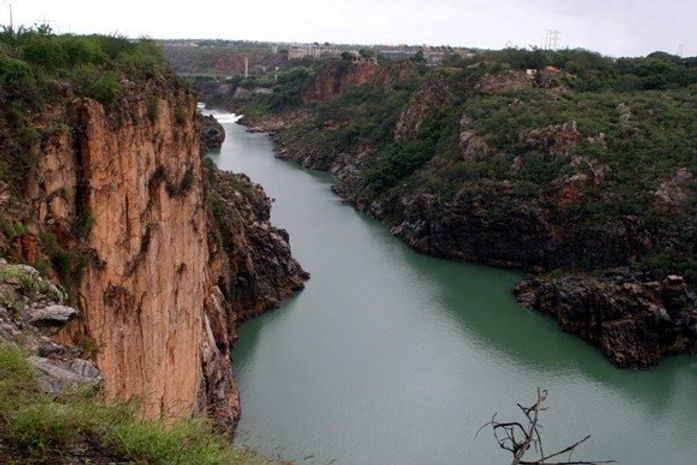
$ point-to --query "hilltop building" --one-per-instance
(299, 51)
(356, 57)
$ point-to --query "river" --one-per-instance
(391, 357)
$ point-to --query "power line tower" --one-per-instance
(555, 39)
(551, 39)
(44, 23)
(9, 4)
(681, 49)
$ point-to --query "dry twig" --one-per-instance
(519, 439)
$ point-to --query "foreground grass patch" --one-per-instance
(37, 429)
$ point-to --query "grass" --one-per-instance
(29, 285)
(37, 429)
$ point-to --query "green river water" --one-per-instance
(391, 357)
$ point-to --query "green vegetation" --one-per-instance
(182, 187)
(631, 126)
(38, 68)
(12, 229)
(35, 428)
(153, 108)
(84, 223)
(180, 115)
(29, 285)
(33, 61)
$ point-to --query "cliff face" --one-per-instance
(332, 80)
(120, 195)
(142, 291)
(144, 306)
(250, 270)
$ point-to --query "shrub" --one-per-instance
(106, 90)
(90, 81)
(181, 115)
(68, 264)
(115, 45)
(84, 223)
(46, 52)
(16, 79)
(80, 50)
(183, 186)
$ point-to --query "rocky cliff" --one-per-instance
(119, 206)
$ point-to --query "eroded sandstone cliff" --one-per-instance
(119, 205)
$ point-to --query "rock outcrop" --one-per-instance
(55, 377)
(332, 80)
(119, 206)
(32, 312)
(431, 96)
(211, 132)
(337, 77)
(634, 319)
(250, 270)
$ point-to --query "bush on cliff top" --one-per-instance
(37, 429)
(38, 67)
(93, 65)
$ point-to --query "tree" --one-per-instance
(522, 440)
(366, 53)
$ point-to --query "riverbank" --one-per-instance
(635, 318)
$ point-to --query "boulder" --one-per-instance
(57, 377)
(51, 348)
(53, 315)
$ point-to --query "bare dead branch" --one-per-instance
(521, 440)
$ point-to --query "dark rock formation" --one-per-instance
(634, 319)
(56, 377)
(52, 315)
(35, 315)
(211, 132)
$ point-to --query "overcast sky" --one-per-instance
(615, 27)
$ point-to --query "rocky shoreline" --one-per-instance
(634, 318)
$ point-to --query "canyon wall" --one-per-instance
(487, 164)
(118, 199)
